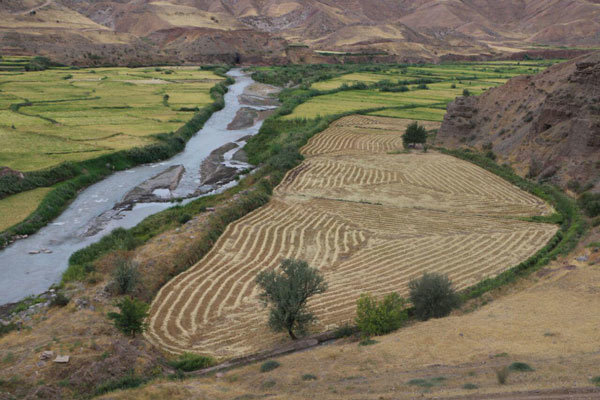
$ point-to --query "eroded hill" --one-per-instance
(546, 125)
(127, 31)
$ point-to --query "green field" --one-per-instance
(447, 82)
(16, 208)
(58, 115)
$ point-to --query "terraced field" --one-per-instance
(58, 115)
(370, 219)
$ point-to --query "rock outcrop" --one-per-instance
(547, 125)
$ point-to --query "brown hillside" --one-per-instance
(546, 125)
(131, 31)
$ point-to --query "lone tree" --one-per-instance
(288, 292)
(130, 320)
(414, 134)
(433, 296)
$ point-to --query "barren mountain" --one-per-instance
(126, 31)
(547, 125)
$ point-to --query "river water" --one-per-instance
(23, 274)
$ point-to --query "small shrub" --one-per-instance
(596, 380)
(309, 377)
(268, 384)
(380, 317)
(502, 375)
(491, 155)
(60, 300)
(420, 382)
(520, 367)
(125, 276)
(345, 330)
(126, 382)
(130, 319)
(427, 383)
(590, 203)
(453, 86)
(470, 386)
(466, 93)
(191, 362)
(4, 329)
(269, 366)
(433, 296)
(367, 342)
(184, 218)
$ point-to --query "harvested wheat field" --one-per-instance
(369, 218)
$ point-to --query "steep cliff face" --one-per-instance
(546, 125)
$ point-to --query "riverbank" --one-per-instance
(77, 227)
(80, 168)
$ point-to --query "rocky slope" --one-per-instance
(547, 125)
(144, 31)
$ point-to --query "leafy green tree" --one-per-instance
(432, 296)
(380, 317)
(414, 134)
(130, 319)
(287, 292)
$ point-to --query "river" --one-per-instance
(23, 274)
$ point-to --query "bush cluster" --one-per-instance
(432, 296)
(192, 362)
(378, 317)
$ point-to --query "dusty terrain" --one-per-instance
(370, 220)
(133, 32)
(547, 125)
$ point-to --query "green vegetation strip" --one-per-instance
(74, 176)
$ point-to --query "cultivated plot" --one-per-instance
(370, 219)
(444, 83)
(58, 115)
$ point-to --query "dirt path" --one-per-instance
(34, 9)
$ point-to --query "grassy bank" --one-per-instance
(71, 177)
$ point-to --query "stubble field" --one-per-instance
(369, 218)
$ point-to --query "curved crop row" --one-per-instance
(370, 223)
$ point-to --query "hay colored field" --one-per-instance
(58, 115)
(449, 81)
(369, 220)
(16, 208)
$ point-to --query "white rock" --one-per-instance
(62, 359)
